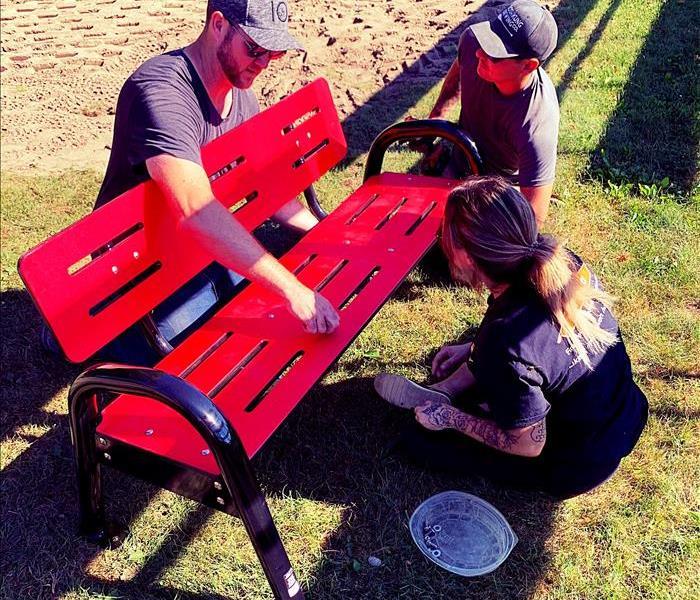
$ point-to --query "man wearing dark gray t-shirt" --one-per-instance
(164, 108)
(508, 103)
(169, 108)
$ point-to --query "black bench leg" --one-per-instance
(217, 433)
(238, 476)
(83, 412)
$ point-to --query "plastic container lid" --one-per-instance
(462, 533)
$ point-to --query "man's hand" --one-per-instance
(429, 164)
(312, 309)
(449, 358)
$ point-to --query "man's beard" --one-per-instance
(229, 67)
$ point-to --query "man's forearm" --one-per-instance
(539, 198)
(448, 92)
(233, 246)
(296, 215)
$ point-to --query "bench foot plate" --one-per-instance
(109, 537)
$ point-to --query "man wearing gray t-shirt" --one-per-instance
(509, 106)
(169, 108)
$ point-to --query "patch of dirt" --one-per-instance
(63, 62)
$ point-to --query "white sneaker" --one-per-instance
(404, 393)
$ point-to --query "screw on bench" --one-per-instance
(218, 486)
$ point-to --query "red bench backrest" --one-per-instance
(138, 257)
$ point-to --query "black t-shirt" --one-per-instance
(526, 370)
(164, 108)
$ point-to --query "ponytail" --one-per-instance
(490, 229)
(569, 298)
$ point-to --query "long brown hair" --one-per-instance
(489, 225)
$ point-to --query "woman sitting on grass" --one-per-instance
(543, 397)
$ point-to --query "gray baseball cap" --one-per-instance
(265, 21)
(524, 30)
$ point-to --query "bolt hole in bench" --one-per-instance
(192, 423)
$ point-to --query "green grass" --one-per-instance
(335, 495)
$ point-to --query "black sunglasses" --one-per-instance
(256, 51)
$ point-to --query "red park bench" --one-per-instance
(192, 423)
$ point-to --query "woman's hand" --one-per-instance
(449, 358)
(434, 415)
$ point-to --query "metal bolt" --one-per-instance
(136, 254)
(115, 269)
(298, 143)
(218, 486)
(390, 250)
(220, 500)
(308, 135)
(108, 456)
(149, 432)
(101, 441)
(346, 242)
(271, 315)
(205, 452)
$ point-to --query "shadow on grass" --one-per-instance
(654, 133)
(337, 449)
(30, 377)
(42, 555)
(585, 52)
(333, 449)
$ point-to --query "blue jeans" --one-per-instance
(177, 316)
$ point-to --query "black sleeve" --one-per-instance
(165, 119)
(511, 388)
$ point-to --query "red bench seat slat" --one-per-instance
(256, 326)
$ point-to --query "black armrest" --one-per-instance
(407, 130)
(172, 391)
(314, 204)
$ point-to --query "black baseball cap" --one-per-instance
(523, 30)
(265, 21)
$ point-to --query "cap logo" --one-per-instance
(281, 10)
(511, 21)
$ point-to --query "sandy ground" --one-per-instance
(63, 62)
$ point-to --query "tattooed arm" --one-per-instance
(526, 441)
